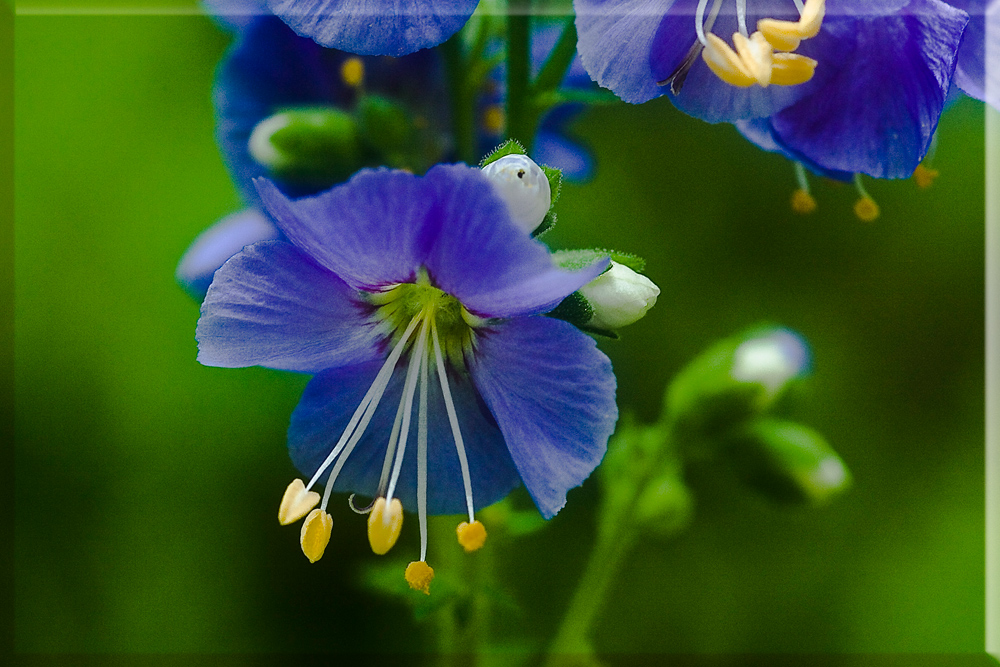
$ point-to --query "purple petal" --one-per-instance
(272, 306)
(483, 259)
(375, 27)
(553, 394)
(973, 74)
(332, 397)
(878, 112)
(215, 245)
(371, 231)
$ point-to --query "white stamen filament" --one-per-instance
(422, 456)
(741, 17)
(699, 20)
(390, 450)
(374, 394)
(453, 419)
(419, 350)
(799, 6)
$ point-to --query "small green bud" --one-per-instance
(789, 462)
(386, 126)
(314, 146)
(664, 506)
(619, 297)
(735, 379)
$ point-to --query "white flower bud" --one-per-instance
(619, 297)
(771, 360)
(523, 185)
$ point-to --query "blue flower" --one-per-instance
(859, 89)
(270, 69)
(375, 27)
(972, 70)
(384, 281)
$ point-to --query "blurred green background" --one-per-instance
(147, 485)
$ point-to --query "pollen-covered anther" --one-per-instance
(472, 536)
(726, 63)
(384, 523)
(786, 35)
(756, 53)
(924, 176)
(866, 209)
(803, 203)
(419, 576)
(296, 503)
(352, 72)
(811, 18)
(791, 69)
(315, 534)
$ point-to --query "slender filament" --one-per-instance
(456, 433)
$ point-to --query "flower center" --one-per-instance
(432, 325)
(763, 57)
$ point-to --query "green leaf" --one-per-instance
(509, 147)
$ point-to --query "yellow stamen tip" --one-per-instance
(756, 53)
(866, 209)
(790, 69)
(924, 176)
(316, 534)
(494, 119)
(726, 63)
(352, 72)
(472, 536)
(296, 503)
(803, 203)
(384, 524)
(812, 18)
(419, 576)
(782, 35)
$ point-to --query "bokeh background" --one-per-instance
(147, 485)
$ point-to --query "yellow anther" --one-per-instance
(803, 203)
(726, 63)
(471, 536)
(756, 53)
(494, 119)
(866, 209)
(352, 72)
(790, 69)
(782, 35)
(812, 18)
(924, 176)
(316, 534)
(384, 524)
(296, 503)
(419, 576)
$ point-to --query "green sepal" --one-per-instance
(787, 462)
(574, 260)
(509, 147)
(317, 146)
(555, 178)
(573, 309)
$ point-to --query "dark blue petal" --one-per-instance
(372, 231)
(759, 132)
(332, 397)
(272, 306)
(877, 113)
(483, 259)
(217, 244)
(554, 150)
(376, 27)
(972, 70)
(553, 394)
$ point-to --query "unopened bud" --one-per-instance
(524, 187)
(619, 297)
(313, 146)
(789, 462)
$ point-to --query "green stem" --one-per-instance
(520, 121)
(605, 560)
(462, 99)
